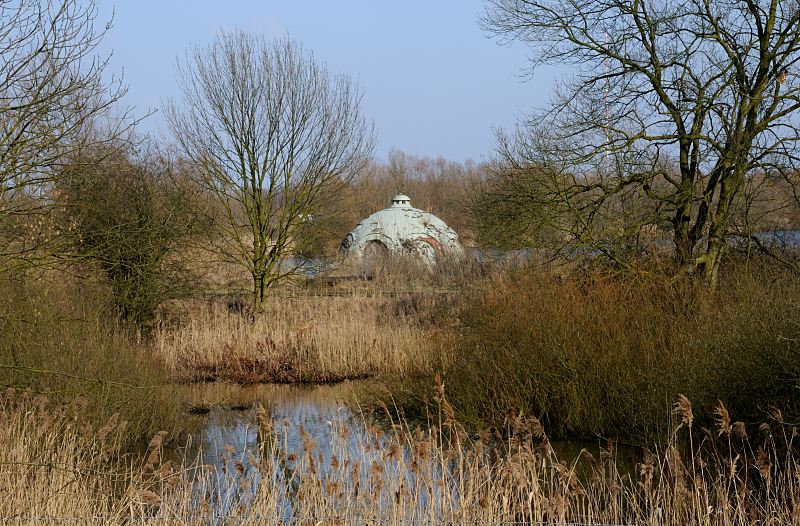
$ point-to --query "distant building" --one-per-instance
(402, 229)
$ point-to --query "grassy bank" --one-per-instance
(600, 354)
(735, 475)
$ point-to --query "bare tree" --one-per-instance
(272, 134)
(53, 100)
(676, 102)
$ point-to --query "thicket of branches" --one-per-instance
(677, 135)
(133, 217)
(54, 100)
(675, 111)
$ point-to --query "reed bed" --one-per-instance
(599, 354)
(53, 463)
(302, 337)
(58, 469)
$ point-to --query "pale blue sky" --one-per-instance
(434, 83)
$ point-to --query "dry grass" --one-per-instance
(52, 463)
(54, 468)
(302, 337)
(594, 354)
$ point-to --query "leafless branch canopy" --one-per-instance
(272, 132)
(51, 84)
(54, 100)
(681, 101)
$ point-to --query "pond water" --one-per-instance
(327, 418)
(317, 431)
(317, 410)
(300, 417)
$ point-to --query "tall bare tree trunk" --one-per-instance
(717, 92)
(684, 244)
(729, 190)
(259, 292)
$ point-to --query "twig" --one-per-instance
(76, 377)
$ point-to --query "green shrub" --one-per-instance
(58, 340)
(131, 217)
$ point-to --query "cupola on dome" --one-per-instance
(403, 229)
(401, 200)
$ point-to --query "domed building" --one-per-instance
(402, 229)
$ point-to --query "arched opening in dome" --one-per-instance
(375, 251)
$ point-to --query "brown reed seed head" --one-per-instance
(734, 465)
(108, 427)
(776, 414)
(739, 430)
(537, 429)
(438, 388)
(723, 419)
(763, 463)
(148, 497)
(683, 408)
(158, 440)
(394, 451)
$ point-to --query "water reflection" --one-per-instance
(314, 411)
(316, 433)
(305, 422)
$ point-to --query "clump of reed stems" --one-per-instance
(53, 463)
(302, 337)
(594, 353)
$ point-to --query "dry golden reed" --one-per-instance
(412, 476)
(302, 337)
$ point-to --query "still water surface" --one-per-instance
(329, 415)
(323, 419)
(328, 422)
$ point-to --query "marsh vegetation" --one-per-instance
(733, 474)
(472, 391)
(619, 346)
